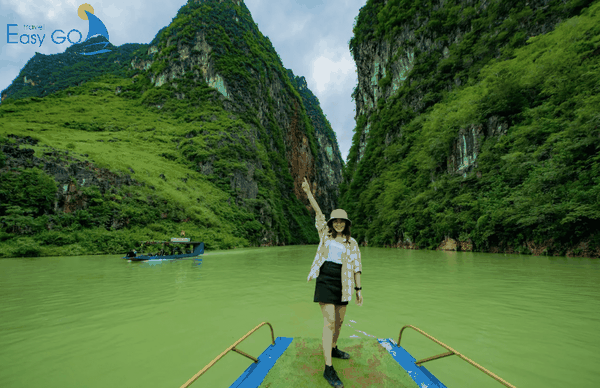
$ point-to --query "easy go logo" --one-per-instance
(96, 27)
(85, 12)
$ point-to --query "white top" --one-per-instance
(335, 251)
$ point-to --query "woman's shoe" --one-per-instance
(332, 377)
(335, 352)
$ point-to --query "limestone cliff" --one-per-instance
(244, 123)
(217, 43)
(449, 141)
(385, 64)
(329, 163)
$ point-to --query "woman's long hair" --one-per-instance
(345, 232)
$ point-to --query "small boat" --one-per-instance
(300, 360)
(164, 250)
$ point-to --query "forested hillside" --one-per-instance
(202, 130)
(46, 74)
(477, 126)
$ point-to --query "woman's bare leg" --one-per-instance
(340, 313)
(328, 311)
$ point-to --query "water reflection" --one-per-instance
(196, 262)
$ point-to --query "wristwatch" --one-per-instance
(358, 288)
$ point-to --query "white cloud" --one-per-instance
(294, 27)
(112, 11)
(51, 10)
(287, 29)
(332, 69)
(285, 22)
(253, 4)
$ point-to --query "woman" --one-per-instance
(337, 268)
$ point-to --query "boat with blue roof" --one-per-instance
(176, 248)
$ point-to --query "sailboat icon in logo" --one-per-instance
(96, 27)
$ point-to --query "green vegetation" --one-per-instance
(47, 74)
(187, 151)
(242, 55)
(540, 182)
(151, 142)
(25, 194)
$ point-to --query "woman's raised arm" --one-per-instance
(311, 199)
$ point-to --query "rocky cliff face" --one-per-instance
(385, 64)
(286, 115)
(329, 161)
(256, 130)
(71, 174)
(443, 148)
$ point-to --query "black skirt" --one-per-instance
(329, 284)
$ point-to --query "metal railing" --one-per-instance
(450, 353)
(232, 347)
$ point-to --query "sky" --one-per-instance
(310, 36)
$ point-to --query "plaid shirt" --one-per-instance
(351, 262)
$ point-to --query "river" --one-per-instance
(99, 321)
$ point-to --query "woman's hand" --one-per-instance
(311, 199)
(359, 298)
(306, 186)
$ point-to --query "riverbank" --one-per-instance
(584, 249)
(93, 244)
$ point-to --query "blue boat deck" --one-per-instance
(299, 360)
(419, 374)
(255, 374)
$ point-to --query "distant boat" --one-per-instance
(164, 250)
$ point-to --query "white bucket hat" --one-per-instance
(339, 213)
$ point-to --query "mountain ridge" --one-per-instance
(457, 126)
(202, 104)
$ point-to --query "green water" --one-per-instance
(98, 321)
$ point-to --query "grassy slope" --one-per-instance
(302, 366)
(190, 133)
(540, 182)
(143, 135)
